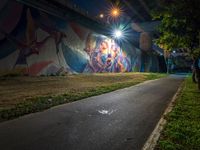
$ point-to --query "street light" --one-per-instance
(101, 15)
(118, 34)
(115, 12)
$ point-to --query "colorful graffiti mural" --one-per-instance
(35, 43)
(106, 55)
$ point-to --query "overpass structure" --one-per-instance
(47, 37)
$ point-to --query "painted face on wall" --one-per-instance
(115, 51)
(104, 48)
(108, 57)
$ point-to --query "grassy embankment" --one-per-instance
(23, 95)
(182, 131)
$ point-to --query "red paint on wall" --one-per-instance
(80, 31)
(36, 68)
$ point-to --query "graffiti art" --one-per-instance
(106, 55)
(37, 43)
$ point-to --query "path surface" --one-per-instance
(120, 120)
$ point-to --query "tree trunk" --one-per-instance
(194, 79)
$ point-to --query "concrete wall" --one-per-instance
(35, 43)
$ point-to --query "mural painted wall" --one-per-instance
(105, 55)
(35, 43)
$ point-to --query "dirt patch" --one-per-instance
(14, 90)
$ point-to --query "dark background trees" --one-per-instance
(180, 24)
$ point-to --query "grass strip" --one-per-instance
(182, 131)
(41, 103)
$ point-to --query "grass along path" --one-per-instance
(182, 131)
(23, 95)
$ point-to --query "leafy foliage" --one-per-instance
(180, 24)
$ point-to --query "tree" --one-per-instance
(180, 24)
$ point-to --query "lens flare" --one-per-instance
(122, 33)
(115, 12)
(117, 34)
(101, 15)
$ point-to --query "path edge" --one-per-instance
(155, 135)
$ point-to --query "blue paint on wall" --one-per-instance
(74, 59)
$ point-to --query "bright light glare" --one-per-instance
(115, 12)
(101, 15)
(117, 34)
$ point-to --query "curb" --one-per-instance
(153, 138)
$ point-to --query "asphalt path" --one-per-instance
(119, 120)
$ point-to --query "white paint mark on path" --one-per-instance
(106, 112)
